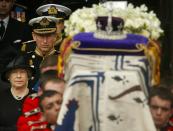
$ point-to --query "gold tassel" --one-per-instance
(23, 48)
(153, 54)
(65, 50)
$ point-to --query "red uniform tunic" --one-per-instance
(31, 119)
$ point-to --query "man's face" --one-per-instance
(45, 43)
(18, 78)
(51, 85)
(60, 27)
(5, 7)
(160, 110)
(51, 107)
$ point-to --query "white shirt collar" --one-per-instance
(52, 127)
(6, 21)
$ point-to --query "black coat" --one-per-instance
(10, 110)
(34, 60)
(16, 33)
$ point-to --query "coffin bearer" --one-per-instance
(161, 105)
(50, 104)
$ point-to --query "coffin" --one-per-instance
(107, 84)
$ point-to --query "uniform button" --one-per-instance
(32, 78)
(33, 56)
(32, 66)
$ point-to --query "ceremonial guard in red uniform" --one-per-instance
(32, 120)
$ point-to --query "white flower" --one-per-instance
(137, 20)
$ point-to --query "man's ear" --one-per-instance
(171, 113)
(34, 36)
(40, 91)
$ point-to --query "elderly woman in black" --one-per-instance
(18, 74)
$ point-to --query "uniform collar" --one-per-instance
(58, 40)
(40, 54)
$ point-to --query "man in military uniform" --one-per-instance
(32, 116)
(61, 13)
(44, 35)
(58, 11)
(50, 104)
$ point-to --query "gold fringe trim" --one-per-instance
(139, 48)
(153, 53)
(65, 50)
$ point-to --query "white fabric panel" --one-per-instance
(111, 100)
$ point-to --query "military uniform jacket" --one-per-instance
(30, 45)
(34, 59)
(30, 120)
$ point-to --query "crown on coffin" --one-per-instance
(109, 27)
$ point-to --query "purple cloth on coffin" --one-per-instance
(91, 45)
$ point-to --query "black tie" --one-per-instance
(2, 29)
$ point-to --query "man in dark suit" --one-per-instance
(12, 32)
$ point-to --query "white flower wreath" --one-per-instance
(137, 20)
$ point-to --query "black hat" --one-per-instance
(17, 62)
(58, 11)
(43, 24)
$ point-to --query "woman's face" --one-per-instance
(18, 78)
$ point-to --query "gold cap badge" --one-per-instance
(52, 10)
(44, 22)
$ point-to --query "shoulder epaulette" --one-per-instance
(32, 96)
(32, 112)
(23, 48)
(29, 52)
(29, 41)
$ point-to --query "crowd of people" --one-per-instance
(29, 54)
(31, 92)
